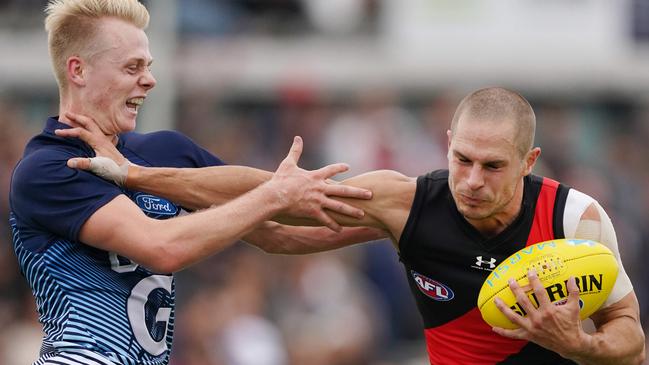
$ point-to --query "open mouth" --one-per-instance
(133, 104)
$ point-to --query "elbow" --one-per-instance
(164, 264)
(643, 353)
(640, 355)
(162, 258)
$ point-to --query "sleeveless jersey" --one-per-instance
(95, 307)
(447, 260)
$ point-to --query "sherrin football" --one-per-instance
(591, 263)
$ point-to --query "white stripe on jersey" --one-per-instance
(576, 204)
(83, 304)
(82, 358)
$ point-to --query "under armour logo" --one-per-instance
(480, 261)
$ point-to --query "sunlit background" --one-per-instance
(370, 82)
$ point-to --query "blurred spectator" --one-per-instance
(640, 16)
(20, 333)
(219, 18)
(378, 133)
(284, 18)
(16, 15)
(329, 313)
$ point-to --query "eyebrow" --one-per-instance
(139, 60)
(492, 162)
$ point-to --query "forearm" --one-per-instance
(196, 188)
(620, 341)
(275, 238)
(193, 237)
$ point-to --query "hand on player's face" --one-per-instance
(110, 164)
(555, 327)
(308, 193)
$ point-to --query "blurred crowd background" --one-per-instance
(370, 82)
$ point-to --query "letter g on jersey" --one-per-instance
(137, 312)
(137, 306)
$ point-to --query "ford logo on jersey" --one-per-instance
(155, 205)
(432, 288)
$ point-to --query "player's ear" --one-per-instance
(75, 70)
(530, 160)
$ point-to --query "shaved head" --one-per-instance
(499, 105)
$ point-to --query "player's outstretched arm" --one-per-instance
(193, 188)
(170, 245)
(200, 188)
(385, 217)
(275, 238)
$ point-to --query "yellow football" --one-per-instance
(591, 263)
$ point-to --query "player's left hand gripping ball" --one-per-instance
(591, 264)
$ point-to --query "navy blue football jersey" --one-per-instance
(93, 304)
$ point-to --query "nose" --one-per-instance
(476, 177)
(147, 81)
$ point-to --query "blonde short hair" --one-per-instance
(72, 26)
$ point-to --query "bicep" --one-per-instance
(121, 227)
(627, 306)
(392, 195)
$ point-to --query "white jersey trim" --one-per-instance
(80, 357)
(576, 204)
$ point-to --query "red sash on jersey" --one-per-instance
(469, 339)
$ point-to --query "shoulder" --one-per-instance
(382, 180)
(43, 164)
(578, 206)
(46, 195)
(168, 148)
(435, 176)
(390, 189)
(157, 140)
(434, 181)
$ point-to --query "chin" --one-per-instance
(127, 126)
(474, 213)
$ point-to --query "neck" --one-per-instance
(69, 105)
(498, 222)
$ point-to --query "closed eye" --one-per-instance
(462, 158)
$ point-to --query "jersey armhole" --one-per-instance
(413, 216)
(575, 205)
(559, 209)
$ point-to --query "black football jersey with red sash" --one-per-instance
(447, 260)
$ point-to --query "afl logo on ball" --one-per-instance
(432, 288)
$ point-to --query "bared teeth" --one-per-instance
(135, 101)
